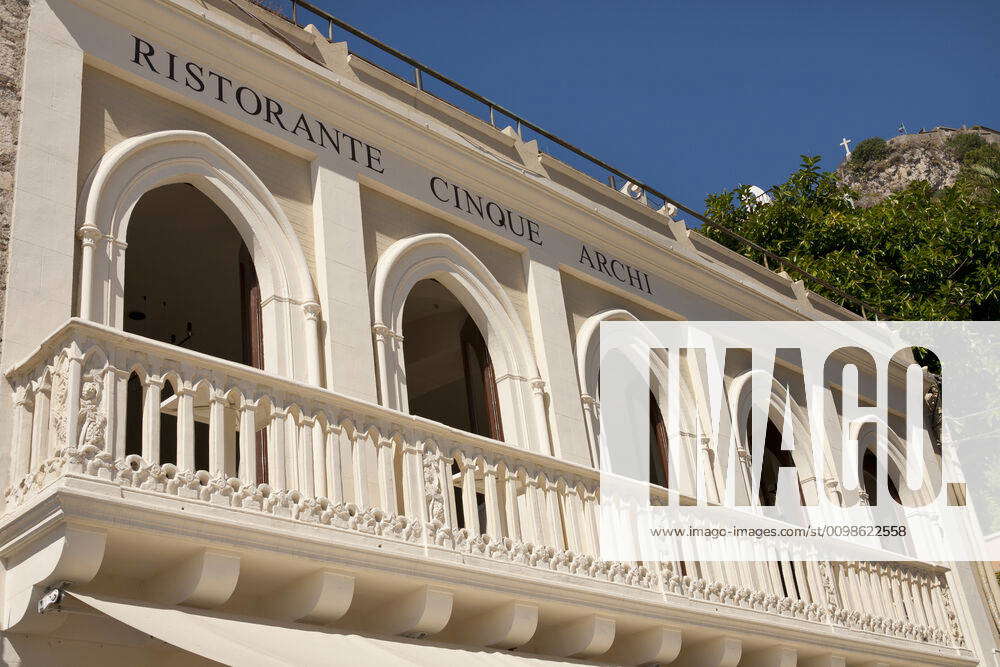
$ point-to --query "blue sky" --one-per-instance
(697, 97)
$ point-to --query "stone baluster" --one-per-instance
(592, 509)
(511, 509)
(37, 445)
(494, 522)
(802, 577)
(74, 379)
(573, 518)
(151, 396)
(21, 461)
(116, 406)
(319, 456)
(899, 587)
(248, 441)
(292, 449)
(360, 466)
(533, 528)
(414, 493)
(276, 444)
(892, 593)
(893, 603)
(334, 466)
(217, 404)
(442, 464)
(553, 515)
(937, 600)
(385, 450)
(917, 600)
(470, 509)
(185, 426)
(304, 456)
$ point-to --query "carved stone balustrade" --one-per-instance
(347, 466)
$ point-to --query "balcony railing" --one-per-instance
(356, 466)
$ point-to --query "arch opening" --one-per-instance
(189, 277)
(449, 372)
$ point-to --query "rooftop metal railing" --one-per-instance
(615, 178)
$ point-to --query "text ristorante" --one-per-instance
(200, 79)
(486, 209)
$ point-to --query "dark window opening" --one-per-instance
(449, 372)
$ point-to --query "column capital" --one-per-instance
(156, 381)
(218, 396)
(383, 332)
(312, 310)
(89, 235)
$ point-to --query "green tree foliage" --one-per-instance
(917, 255)
(870, 150)
(963, 142)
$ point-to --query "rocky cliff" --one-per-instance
(934, 156)
(13, 27)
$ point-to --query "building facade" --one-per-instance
(301, 368)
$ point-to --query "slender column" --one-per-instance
(305, 456)
(443, 466)
(574, 520)
(185, 426)
(217, 432)
(360, 469)
(117, 437)
(151, 419)
(494, 527)
(510, 500)
(414, 504)
(22, 462)
(915, 600)
(389, 357)
(590, 423)
(334, 468)
(591, 506)
(115, 383)
(276, 449)
(248, 442)
(293, 453)
(74, 372)
(541, 416)
(312, 313)
(553, 516)
(470, 510)
(319, 455)
(535, 500)
(88, 235)
(38, 440)
(386, 477)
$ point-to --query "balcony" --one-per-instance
(401, 500)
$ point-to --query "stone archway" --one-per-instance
(290, 310)
(441, 257)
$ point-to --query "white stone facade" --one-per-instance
(366, 533)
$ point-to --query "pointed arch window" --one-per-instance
(450, 376)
